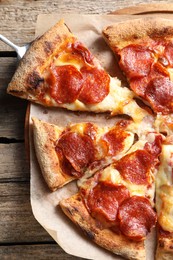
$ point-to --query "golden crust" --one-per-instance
(45, 136)
(121, 34)
(74, 208)
(28, 75)
(165, 247)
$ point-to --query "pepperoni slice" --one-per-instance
(140, 84)
(159, 93)
(104, 199)
(95, 85)
(136, 60)
(157, 70)
(66, 167)
(82, 51)
(164, 233)
(168, 54)
(90, 130)
(115, 140)
(135, 166)
(155, 147)
(65, 83)
(137, 217)
(78, 149)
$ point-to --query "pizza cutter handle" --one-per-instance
(19, 50)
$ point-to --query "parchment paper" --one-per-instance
(45, 203)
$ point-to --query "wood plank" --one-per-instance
(12, 117)
(13, 109)
(19, 227)
(39, 252)
(17, 223)
(19, 27)
(7, 67)
(14, 165)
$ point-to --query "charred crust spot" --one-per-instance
(110, 27)
(48, 47)
(134, 36)
(34, 80)
(171, 247)
(161, 243)
(17, 92)
(67, 27)
(72, 211)
(69, 212)
(161, 33)
(79, 198)
(89, 234)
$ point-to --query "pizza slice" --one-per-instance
(144, 48)
(58, 70)
(68, 153)
(164, 202)
(115, 207)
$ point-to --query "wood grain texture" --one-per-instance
(14, 165)
(12, 109)
(38, 252)
(19, 27)
(21, 236)
(17, 224)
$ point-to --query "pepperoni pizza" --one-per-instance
(116, 179)
(65, 154)
(59, 71)
(164, 201)
(116, 206)
(144, 48)
(123, 172)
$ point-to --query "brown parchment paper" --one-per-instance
(44, 203)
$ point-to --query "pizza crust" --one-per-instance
(74, 208)
(165, 248)
(45, 136)
(121, 34)
(28, 76)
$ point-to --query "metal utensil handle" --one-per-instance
(4, 39)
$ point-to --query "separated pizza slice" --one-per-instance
(67, 153)
(75, 209)
(144, 48)
(115, 208)
(59, 71)
(164, 202)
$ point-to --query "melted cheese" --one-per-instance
(143, 121)
(164, 189)
(117, 98)
(164, 123)
(118, 101)
(128, 142)
(112, 102)
(111, 174)
(67, 59)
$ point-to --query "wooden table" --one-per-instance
(21, 236)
